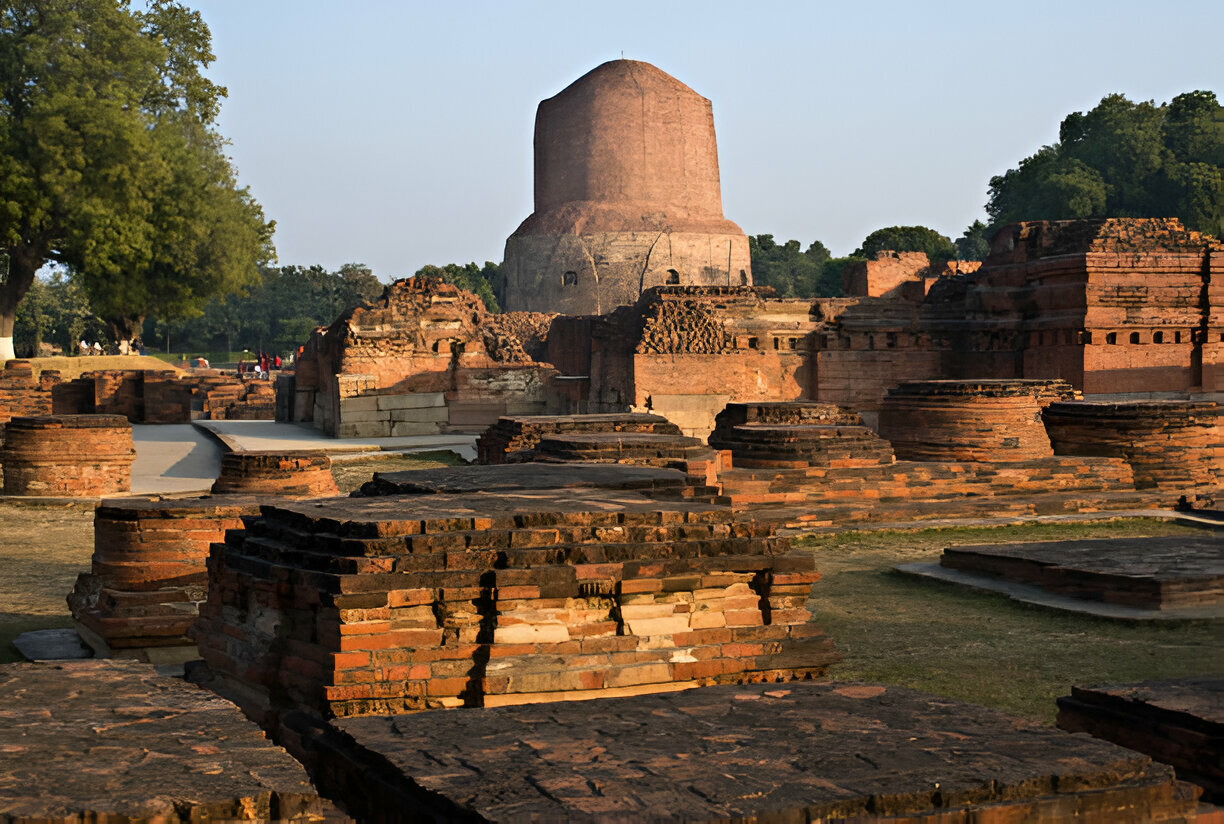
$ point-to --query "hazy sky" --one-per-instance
(399, 133)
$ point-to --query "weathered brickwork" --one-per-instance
(970, 420)
(400, 603)
(789, 435)
(78, 456)
(425, 358)
(1178, 721)
(147, 576)
(23, 395)
(506, 440)
(1176, 447)
(292, 475)
(113, 741)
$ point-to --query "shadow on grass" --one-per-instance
(13, 624)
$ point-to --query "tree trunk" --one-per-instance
(123, 331)
(22, 264)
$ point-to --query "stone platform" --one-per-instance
(111, 741)
(795, 752)
(352, 606)
(516, 477)
(1178, 722)
(1148, 573)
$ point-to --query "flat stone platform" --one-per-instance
(519, 476)
(1146, 573)
(798, 752)
(113, 741)
(1177, 721)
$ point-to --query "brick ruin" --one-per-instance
(76, 456)
(141, 396)
(295, 475)
(399, 603)
(427, 357)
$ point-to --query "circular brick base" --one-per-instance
(80, 456)
(986, 420)
(297, 475)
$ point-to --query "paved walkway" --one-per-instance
(173, 459)
(274, 436)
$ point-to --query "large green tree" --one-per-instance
(907, 239)
(483, 281)
(110, 163)
(1124, 159)
(792, 271)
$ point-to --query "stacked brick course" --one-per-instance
(227, 398)
(67, 455)
(295, 475)
(1173, 446)
(377, 605)
(511, 437)
(970, 420)
(148, 575)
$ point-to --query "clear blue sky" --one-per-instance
(399, 133)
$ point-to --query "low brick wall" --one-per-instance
(389, 604)
(22, 394)
(293, 475)
(791, 435)
(978, 420)
(147, 576)
(1173, 446)
(68, 455)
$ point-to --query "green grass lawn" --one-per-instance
(983, 647)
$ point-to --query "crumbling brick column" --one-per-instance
(68, 455)
(296, 475)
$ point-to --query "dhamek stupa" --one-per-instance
(627, 197)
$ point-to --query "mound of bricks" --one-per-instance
(1179, 722)
(79, 456)
(356, 606)
(112, 741)
(983, 420)
(1173, 446)
(148, 574)
(227, 398)
(511, 435)
(803, 752)
(292, 475)
(797, 435)
(1149, 573)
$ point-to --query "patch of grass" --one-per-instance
(983, 647)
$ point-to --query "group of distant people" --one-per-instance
(261, 367)
(83, 348)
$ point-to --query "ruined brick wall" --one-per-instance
(21, 394)
(627, 196)
(144, 396)
(77, 456)
(424, 358)
(887, 275)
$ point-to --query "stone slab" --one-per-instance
(1178, 721)
(798, 752)
(114, 741)
(51, 645)
(505, 477)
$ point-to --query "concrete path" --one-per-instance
(173, 459)
(274, 436)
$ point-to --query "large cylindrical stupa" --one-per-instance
(627, 197)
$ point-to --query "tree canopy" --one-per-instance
(1124, 159)
(791, 272)
(484, 281)
(110, 164)
(938, 248)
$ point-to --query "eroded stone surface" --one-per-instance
(794, 752)
(1152, 573)
(1177, 721)
(114, 741)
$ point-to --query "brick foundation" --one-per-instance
(67, 455)
(293, 475)
(970, 420)
(401, 603)
(1173, 446)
